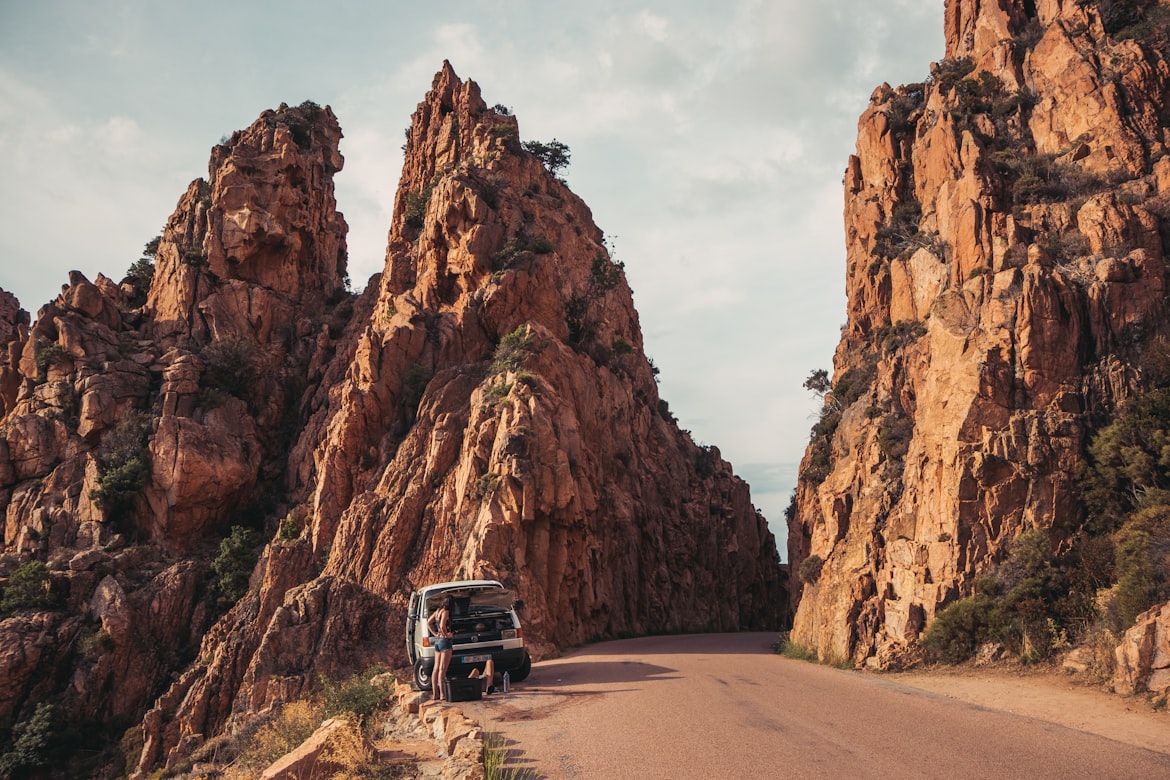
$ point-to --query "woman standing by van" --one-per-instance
(439, 625)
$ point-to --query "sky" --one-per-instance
(709, 139)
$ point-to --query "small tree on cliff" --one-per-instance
(554, 154)
(232, 568)
(123, 465)
(141, 272)
(29, 587)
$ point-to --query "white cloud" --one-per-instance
(73, 195)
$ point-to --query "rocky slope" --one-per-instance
(483, 409)
(134, 435)
(1006, 279)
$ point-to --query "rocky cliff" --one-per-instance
(483, 409)
(1006, 281)
(137, 428)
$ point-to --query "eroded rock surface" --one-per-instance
(1143, 657)
(491, 414)
(135, 436)
(996, 313)
(483, 409)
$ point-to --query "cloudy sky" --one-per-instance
(709, 139)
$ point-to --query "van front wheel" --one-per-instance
(422, 675)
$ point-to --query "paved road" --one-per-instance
(724, 705)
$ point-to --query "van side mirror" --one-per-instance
(518, 604)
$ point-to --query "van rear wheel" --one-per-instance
(422, 676)
(523, 670)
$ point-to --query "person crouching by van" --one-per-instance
(439, 626)
(488, 675)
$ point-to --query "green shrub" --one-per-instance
(1022, 604)
(946, 74)
(1142, 20)
(119, 485)
(519, 247)
(810, 569)
(94, 642)
(508, 135)
(300, 122)
(705, 462)
(894, 435)
(291, 526)
(960, 628)
(34, 741)
(512, 350)
(141, 272)
(977, 95)
(900, 335)
(485, 485)
(1029, 178)
(228, 366)
(498, 391)
(139, 276)
(48, 356)
(415, 207)
(29, 588)
(232, 568)
(902, 105)
(1142, 563)
(1127, 463)
(854, 383)
(123, 465)
(605, 274)
(359, 694)
(899, 234)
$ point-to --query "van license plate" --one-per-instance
(476, 659)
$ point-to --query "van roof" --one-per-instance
(462, 584)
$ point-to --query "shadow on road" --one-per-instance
(594, 672)
(733, 643)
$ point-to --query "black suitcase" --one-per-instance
(463, 689)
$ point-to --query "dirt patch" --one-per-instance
(1049, 695)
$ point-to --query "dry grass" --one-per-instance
(350, 751)
(295, 723)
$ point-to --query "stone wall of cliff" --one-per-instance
(1006, 276)
(490, 414)
(483, 409)
(134, 434)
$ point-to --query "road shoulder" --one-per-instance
(1050, 696)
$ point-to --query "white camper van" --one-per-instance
(484, 623)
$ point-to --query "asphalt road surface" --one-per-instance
(726, 706)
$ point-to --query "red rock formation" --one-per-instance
(94, 386)
(14, 322)
(484, 409)
(490, 414)
(993, 314)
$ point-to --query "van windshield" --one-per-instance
(472, 601)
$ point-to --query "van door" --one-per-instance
(411, 621)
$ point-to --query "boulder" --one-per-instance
(1143, 657)
(337, 746)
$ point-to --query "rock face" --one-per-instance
(1143, 657)
(490, 415)
(133, 437)
(483, 409)
(1006, 275)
